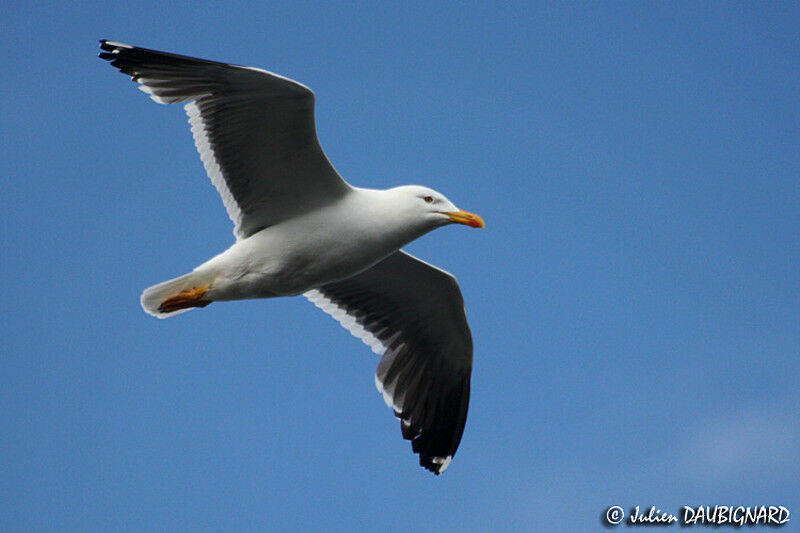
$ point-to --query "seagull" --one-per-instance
(301, 229)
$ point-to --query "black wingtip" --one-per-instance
(114, 46)
(430, 467)
(113, 50)
(110, 52)
(103, 46)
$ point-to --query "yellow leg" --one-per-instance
(185, 299)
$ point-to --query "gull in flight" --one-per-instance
(301, 229)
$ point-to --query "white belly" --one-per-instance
(298, 255)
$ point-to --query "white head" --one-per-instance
(431, 209)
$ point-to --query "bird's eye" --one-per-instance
(428, 199)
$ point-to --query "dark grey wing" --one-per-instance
(254, 130)
(413, 315)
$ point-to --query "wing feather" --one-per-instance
(413, 315)
(254, 130)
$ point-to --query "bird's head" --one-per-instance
(433, 207)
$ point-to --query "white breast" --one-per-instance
(302, 253)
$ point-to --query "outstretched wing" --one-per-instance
(254, 130)
(413, 315)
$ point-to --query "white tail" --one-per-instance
(153, 297)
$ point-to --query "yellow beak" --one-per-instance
(465, 217)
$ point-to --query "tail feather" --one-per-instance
(153, 297)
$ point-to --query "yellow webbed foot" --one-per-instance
(185, 299)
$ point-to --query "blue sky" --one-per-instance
(634, 300)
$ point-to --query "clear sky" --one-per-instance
(634, 300)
